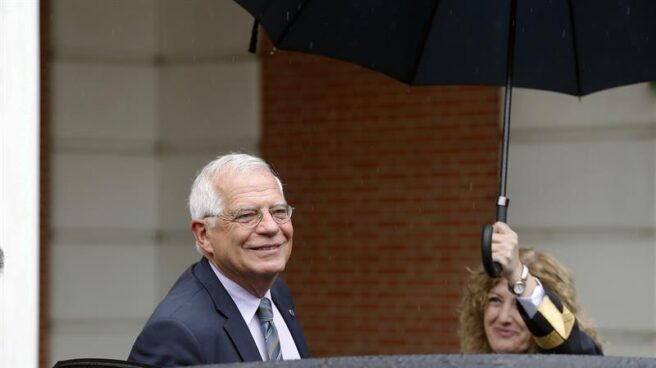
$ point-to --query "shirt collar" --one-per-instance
(246, 302)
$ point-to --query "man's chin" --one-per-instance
(270, 269)
(273, 271)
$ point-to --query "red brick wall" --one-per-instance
(391, 185)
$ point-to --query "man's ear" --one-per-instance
(200, 230)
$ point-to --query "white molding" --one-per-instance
(644, 334)
(636, 131)
(104, 57)
(628, 342)
(136, 147)
(119, 236)
(19, 186)
(105, 236)
(93, 325)
(587, 232)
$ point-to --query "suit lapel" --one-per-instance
(283, 302)
(234, 325)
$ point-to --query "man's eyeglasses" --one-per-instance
(252, 217)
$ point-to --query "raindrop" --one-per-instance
(273, 51)
(311, 45)
(288, 16)
(628, 11)
(563, 33)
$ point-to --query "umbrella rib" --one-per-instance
(291, 22)
(576, 49)
(423, 45)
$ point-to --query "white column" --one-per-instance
(19, 182)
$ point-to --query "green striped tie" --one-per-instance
(265, 314)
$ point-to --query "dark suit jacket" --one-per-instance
(556, 330)
(199, 323)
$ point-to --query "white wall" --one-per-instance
(144, 92)
(581, 183)
(19, 183)
(208, 105)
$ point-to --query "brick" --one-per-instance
(391, 186)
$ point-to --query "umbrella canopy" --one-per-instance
(569, 46)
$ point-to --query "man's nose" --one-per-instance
(267, 224)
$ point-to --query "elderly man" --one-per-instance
(220, 310)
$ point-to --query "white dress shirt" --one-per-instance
(532, 302)
(247, 304)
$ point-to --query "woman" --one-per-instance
(494, 318)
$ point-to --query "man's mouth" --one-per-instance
(266, 247)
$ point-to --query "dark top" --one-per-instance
(556, 330)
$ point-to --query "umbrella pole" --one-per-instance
(503, 201)
(492, 268)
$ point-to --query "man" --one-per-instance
(219, 310)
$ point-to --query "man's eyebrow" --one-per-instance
(245, 208)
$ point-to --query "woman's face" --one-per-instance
(504, 327)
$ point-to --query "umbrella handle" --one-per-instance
(493, 269)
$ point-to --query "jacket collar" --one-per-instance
(234, 325)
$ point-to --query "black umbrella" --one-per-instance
(570, 46)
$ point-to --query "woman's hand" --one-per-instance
(505, 251)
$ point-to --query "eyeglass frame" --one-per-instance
(232, 217)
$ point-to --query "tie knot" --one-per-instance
(264, 311)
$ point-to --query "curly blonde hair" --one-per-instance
(551, 273)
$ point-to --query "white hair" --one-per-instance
(204, 200)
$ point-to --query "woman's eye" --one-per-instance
(494, 300)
